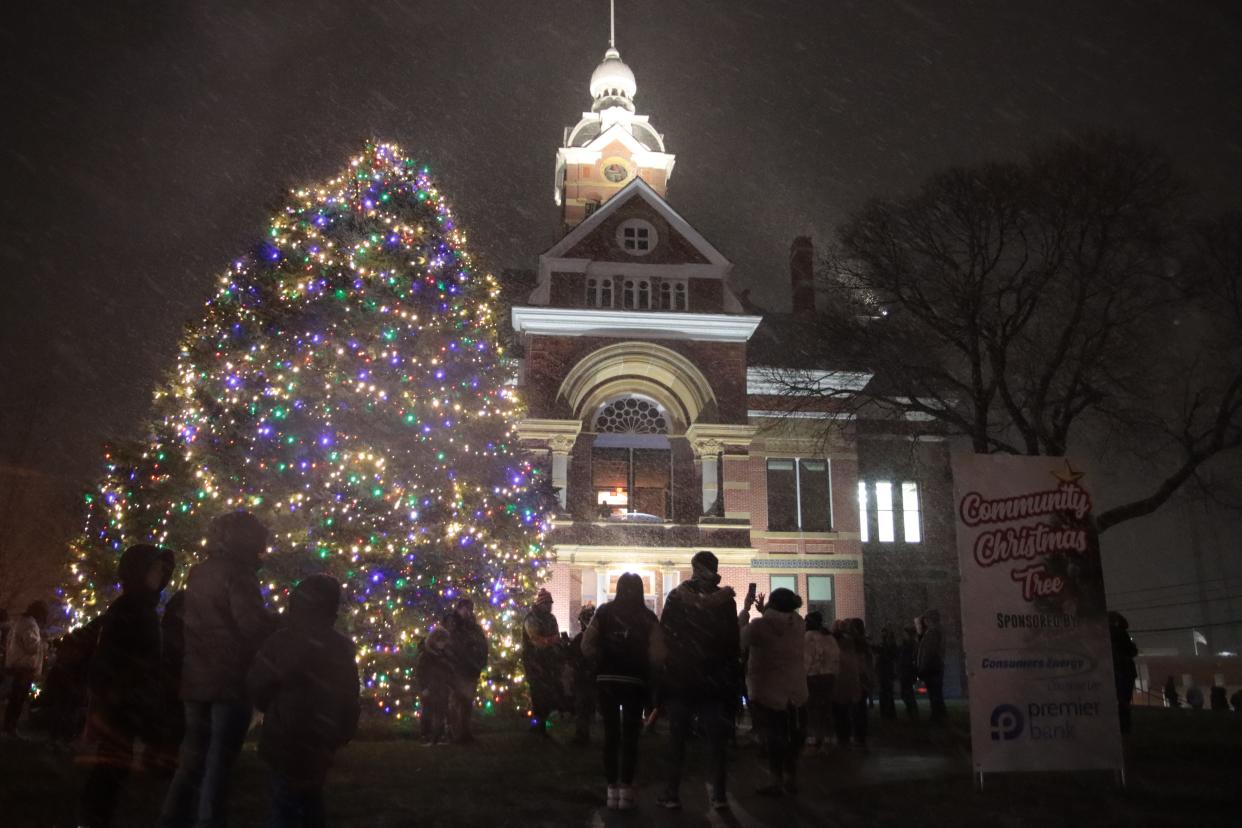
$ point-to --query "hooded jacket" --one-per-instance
(124, 672)
(305, 681)
(701, 637)
(25, 648)
(225, 623)
(776, 668)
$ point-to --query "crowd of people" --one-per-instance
(702, 665)
(184, 684)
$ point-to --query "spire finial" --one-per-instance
(612, 24)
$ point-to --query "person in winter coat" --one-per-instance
(542, 659)
(172, 712)
(24, 654)
(907, 663)
(866, 680)
(701, 679)
(433, 671)
(1124, 671)
(776, 685)
(305, 680)
(848, 687)
(123, 681)
(225, 624)
(886, 672)
(626, 643)
(1170, 693)
(823, 661)
(584, 679)
(931, 663)
(468, 657)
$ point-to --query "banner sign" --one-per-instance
(1034, 621)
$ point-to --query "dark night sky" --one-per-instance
(145, 141)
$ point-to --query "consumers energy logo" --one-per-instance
(1007, 723)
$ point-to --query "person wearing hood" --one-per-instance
(433, 673)
(623, 638)
(701, 676)
(542, 659)
(25, 652)
(931, 663)
(305, 680)
(467, 647)
(775, 644)
(225, 624)
(123, 681)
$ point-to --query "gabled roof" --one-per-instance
(637, 188)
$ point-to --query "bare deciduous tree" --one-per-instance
(1025, 305)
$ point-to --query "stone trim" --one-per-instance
(851, 564)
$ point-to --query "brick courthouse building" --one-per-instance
(651, 398)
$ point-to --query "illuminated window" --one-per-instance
(864, 527)
(799, 495)
(631, 464)
(884, 511)
(616, 173)
(887, 511)
(912, 519)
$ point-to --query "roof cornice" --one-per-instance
(699, 327)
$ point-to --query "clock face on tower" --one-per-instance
(616, 173)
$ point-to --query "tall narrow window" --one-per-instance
(636, 294)
(884, 511)
(799, 495)
(814, 500)
(864, 527)
(819, 597)
(782, 496)
(912, 519)
(672, 295)
(599, 291)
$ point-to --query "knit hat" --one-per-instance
(544, 597)
(784, 600)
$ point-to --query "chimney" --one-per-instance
(802, 276)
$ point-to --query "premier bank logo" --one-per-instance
(1006, 723)
(1040, 721)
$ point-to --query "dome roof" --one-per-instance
(612, 82)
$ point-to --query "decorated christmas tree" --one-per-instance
(346, 384)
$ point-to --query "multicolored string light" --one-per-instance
(347, 385)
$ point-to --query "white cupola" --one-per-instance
(612, 83)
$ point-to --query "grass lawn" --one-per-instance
(1185, 768)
